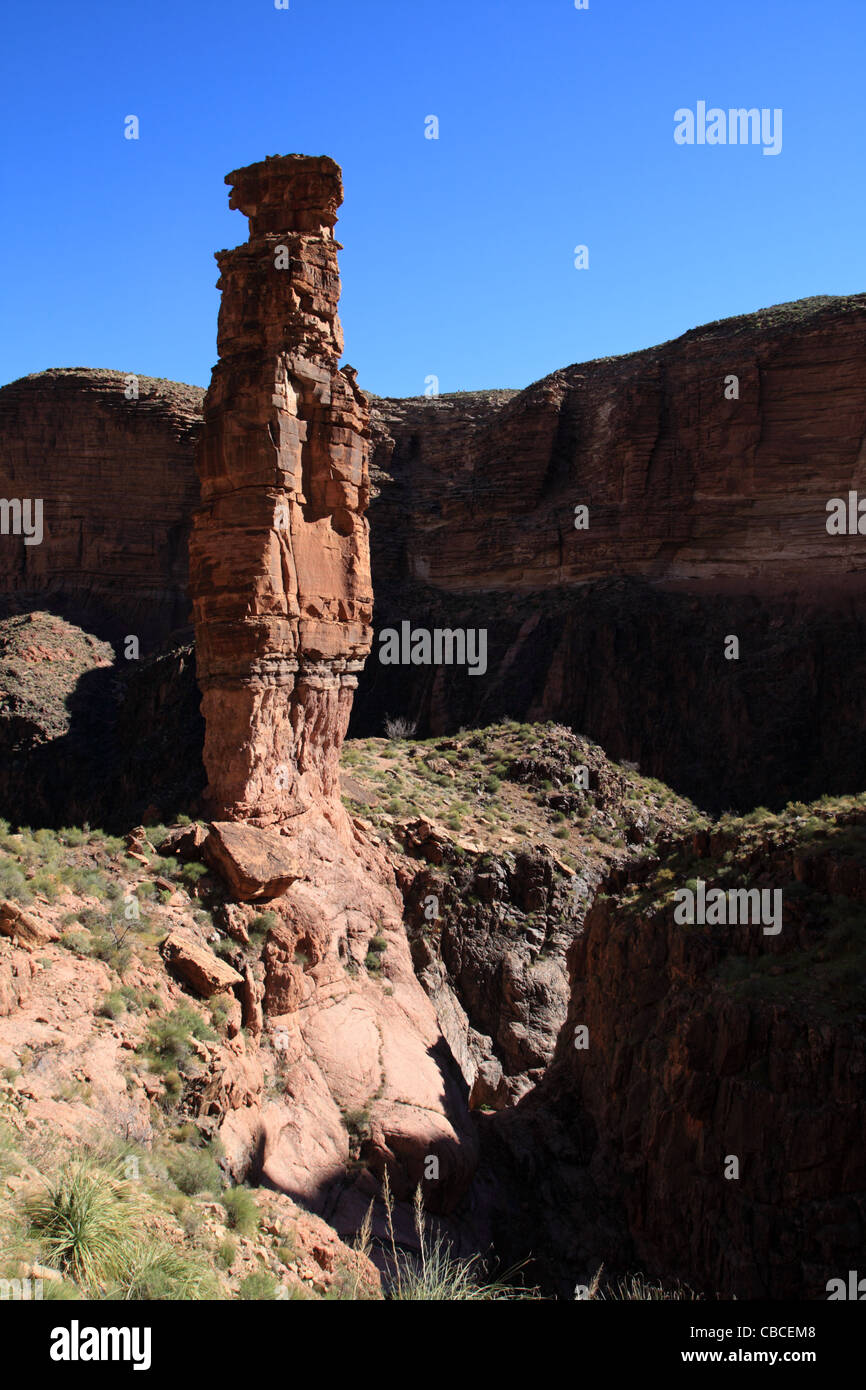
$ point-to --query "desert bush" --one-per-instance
(226, 1251)
(192, 873)
(434, 1273)
(242, 1214)
(635, 1288)
(259, 1286)
(13, 884)
(400, 727)
(194, 1170)
(72, 836)
(151, 1271)
(262, 923)
(168, 1038)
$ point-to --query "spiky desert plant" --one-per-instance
(82, 1218)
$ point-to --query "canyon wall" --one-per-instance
(111, 456)
(706, 517)
(703, 1044)
(704, 463)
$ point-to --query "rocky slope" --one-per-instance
(198, 1030)
(121, 1053)
(498, 853)
(87, 736)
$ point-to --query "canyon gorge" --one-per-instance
(409, 889)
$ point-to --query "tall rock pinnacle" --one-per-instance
(279, 552)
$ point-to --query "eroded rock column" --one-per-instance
(279, 553)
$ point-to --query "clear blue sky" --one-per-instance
(556, 129)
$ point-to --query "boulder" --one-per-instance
(25, 928)
(255, 863)
(198, 966)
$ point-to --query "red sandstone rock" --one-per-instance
(186, 841)
(280, 580)
(255, 863)
(118, 486)
(25, 928)
(201, 969)
(279, 556)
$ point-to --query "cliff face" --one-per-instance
(705, 518)
(279, 553)
(685, 482)
(705, 1044)
(115, 475)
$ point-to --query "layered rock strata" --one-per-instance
(610, 527)
(111, 457)
(706, 516)
(279, 553)
(280, 580)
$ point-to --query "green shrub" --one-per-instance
(72, 836)
(219, 1010)
(152, 1271)
(242, 1214)
(287, 1253)
(172, 1089)
(113, 1005)
(258, 1287)
(13, 884)
(226, 1251)
(77, 941)
(357, 1124)
(194, 1170)
(192, 873)
(110, 948)
(168, 1038)
(263, 922)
